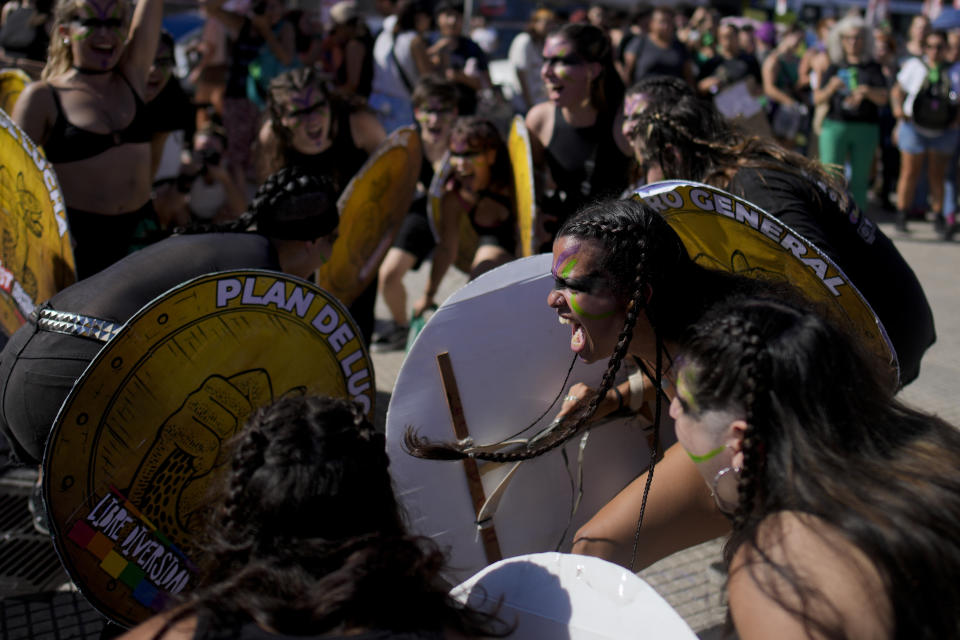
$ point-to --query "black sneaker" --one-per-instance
(901, 222)
(393, 340)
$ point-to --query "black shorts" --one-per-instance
(415, 236)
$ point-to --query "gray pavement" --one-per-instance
(692, 580)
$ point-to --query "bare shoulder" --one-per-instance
(805, 567)
(540, 120)
(35, 110)
(181, 630)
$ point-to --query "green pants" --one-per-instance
(855, 142)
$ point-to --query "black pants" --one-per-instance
(37, 371)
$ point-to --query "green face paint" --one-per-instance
(710, 454)
(589, 316)
(567, 269)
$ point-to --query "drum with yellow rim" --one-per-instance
(521, 159)
(371, 209)
(36, 257)
(12, 83)
(141, 437)
(723, 231)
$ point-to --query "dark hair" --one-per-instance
(307, 537)
(448, 6)
(166, 38)
(291, 82)
(825, 437)
(593, 45)
(407, 11)
(434, 86)
(480, 133)
(651, 272)
(710, 150)
(291, 204)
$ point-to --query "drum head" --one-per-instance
(723, 231)
(371, 209)
(521, 159)
(557, 595)
(12, 84)
(510, 357)
(36, 258)
(140, 439)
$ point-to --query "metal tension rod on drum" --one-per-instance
(488, 534)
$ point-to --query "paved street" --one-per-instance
(692, 580)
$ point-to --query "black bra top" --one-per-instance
(69, 143)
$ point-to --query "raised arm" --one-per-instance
(142, 42)
(214, 9)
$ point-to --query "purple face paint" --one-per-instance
(562, 258)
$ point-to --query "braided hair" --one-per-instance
(308, 538)
(650, 273)
(825, 437)
(291, 204)
(691, 140)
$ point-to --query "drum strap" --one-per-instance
(75, 324)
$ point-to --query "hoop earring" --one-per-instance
(726, 509)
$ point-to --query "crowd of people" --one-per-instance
(790, 423)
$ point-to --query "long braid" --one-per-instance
(639, 232)
(751, 473)
(743, 337)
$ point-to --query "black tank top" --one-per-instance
(70, 143)
(585, 164)
(340, 162)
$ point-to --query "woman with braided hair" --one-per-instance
(626, 286)
(307, 540)
(676, 135)
(844, 502)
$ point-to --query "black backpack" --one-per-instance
(935, 106)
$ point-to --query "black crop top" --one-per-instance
(69, 143)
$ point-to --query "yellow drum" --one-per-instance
(518, 143)
(36, 258)
(723, 231)
(371, 209)
(142, 436)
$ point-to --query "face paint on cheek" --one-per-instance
(589, 316)
(561, 72)
(707, 456)
(685, 382)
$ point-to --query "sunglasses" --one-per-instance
(306, 111)
(466, 154)
(571, 60)
(93, 23)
